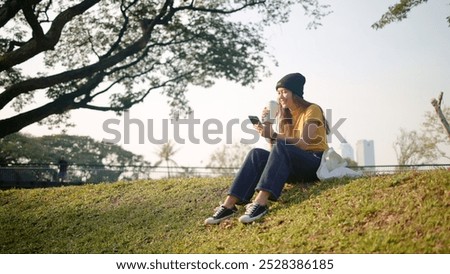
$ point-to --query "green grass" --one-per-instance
(402, 213)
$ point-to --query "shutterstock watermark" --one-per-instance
(211, 131)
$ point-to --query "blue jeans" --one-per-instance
(269, 171)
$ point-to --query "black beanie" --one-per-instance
(293, 82)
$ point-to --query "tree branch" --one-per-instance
(45, 82)
(45, 12)
(13, 44)
(11, 7)
(122, 30)
(437, 106)
(62, 104)
(121, 79)
(220, 11)
(137, 100)
(48, 41)
(38, 32)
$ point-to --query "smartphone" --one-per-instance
(254, 119)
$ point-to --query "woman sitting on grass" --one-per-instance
(295, 154)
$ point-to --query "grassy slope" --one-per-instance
(402, 213)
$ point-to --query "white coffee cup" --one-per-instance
(272, 106)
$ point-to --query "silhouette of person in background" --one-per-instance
(62, 169)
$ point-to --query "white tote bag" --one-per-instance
(333, 165)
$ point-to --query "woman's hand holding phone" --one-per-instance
(265, 130)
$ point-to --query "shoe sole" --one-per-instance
(212, 221)
(245, 219)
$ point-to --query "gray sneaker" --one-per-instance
(222, 213)
(253, 212)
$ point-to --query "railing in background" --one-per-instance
(46, 175)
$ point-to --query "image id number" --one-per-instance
(295, 264)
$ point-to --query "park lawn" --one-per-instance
(407, 212)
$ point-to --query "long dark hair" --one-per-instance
(285, 117)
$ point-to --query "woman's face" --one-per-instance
(285, 98)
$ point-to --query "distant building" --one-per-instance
(346, 151)
(365, 153)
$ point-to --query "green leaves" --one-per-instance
(397, 12)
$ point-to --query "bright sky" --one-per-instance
(379, 81)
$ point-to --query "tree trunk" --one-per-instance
(437, 106)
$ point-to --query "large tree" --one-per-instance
(108, 55)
